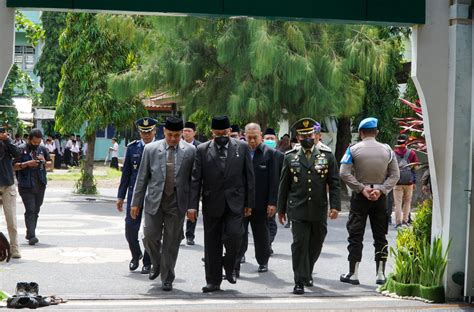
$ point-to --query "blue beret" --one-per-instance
(368, 123)
(317, 127)
(146, 124)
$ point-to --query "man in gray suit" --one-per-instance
(224, 170)
(163, 183)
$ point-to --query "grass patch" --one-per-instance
(73, 174)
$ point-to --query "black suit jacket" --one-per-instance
(267, 178)
(279, 158)
(235, 185)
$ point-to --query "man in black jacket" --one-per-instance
(8, 151)
(266, 172)
(223, 170)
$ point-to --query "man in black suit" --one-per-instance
(266, 191)
(189, 133)
(223, 170)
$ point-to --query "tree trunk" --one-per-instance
(87, 183)
(344, 137)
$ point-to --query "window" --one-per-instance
(100, 133)
(110, 131)
(25, 57)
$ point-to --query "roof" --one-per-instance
(161, 102)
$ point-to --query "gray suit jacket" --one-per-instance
(151, 176)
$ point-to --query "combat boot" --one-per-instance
(351, 277)
(380, 267)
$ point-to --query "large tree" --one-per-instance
(84, 101)
(52, 58)
(254, 69)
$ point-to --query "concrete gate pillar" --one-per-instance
(7, 39)
(442, 71)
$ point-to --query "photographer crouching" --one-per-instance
(31, 174)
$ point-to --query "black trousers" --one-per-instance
(132, 228)
(190, 229)
(114, 163)
(32, 202)
(272, 228)
(308, 239)
(261, 239)
(57, 160)
(227, 231)
(361, 208)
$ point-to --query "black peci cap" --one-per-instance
(174, 124)
(235, 128)
(220, 123)
(190, 125)
(269, 131)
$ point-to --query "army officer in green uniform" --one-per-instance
(302, 196)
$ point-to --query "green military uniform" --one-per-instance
(303, 197)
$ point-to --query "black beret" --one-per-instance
(174, 124)
(220, 123)
(270, 131)
(235, 128)
(190, 125)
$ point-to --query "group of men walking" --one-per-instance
(248, 182)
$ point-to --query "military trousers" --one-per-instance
(361, 208)
(132, 228)
(163, 234)
(308, 239)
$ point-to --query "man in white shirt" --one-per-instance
(113, 150)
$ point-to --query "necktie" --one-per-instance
(169, 180)
(222, 156)
(307, 153)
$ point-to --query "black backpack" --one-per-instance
(406, 174)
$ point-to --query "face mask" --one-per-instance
(270, 143)
(221, 140)
(307, 143)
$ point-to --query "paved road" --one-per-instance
(83, 256)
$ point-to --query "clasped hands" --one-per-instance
(371, 194)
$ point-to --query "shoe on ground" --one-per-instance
(262, 268)
(210, 288)
(16, 254)
(347, 278)
(21, 302)
(308, 283)
(230, 276)
(33, 241)
(298, 289)
(271, 251)
(146, 269)
(398, 226)
(167, 286)
(190, 241)
(154, 273)
(242, 260)
(134, 263)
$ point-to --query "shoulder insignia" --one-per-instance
(293, 150)
(131, 143)
(324, 148)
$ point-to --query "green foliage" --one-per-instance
(85, 179)
(406, 269)
(34, 32)
(52, 58)
(254, 69)
(422, 222)
(433, 261)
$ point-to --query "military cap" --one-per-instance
(190, 125)
(220, 123)
(269, 131)
(174, 124)
(146, 124)
(368, 123)
(304, 126)
(235, 128)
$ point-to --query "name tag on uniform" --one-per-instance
(262, 166)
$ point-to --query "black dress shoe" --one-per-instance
(134, 263)
(22, 302)
(309, 283)
(299, 289)
(33, 241)
(154, 273)
(210, 288)
(230, 277)
(190, 241)
(167, 286)
(146, 269)
(262, 268)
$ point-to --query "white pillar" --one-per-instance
(7, 39)
(442, 71)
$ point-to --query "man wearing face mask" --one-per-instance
(31, 172)
(302, 196)
(223, 174)
(266, 191)
(270, 139)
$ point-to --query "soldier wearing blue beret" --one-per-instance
(370, 169)
(147, 129)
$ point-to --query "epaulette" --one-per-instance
(323, 147)
(293, 150)
(133, 142)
